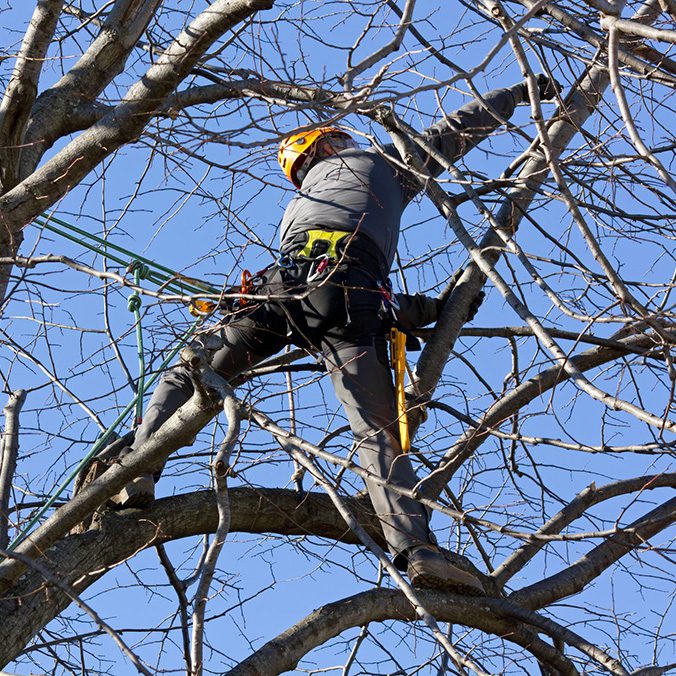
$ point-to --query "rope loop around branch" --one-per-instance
(140, 270)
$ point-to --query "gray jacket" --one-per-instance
(361, 190)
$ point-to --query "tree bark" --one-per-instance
(82, 559)
(9, 452)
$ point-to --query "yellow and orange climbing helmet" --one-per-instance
(294, 149)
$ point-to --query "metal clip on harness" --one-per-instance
(246, 288)
(318, 267)
(202, 308)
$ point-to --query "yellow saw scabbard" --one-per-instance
(398, 357)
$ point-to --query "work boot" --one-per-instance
(428, 568)
(137, 494)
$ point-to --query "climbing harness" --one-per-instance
(320, 249)
(398, 358)
(322, 243)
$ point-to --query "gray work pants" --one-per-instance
(342, 320)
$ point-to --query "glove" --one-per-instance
(475, 305)
(548, 88)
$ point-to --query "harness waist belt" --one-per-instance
(317, 243)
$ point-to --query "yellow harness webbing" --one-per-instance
(332, 239)
(398, 357)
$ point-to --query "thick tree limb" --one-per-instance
(514, 401)
(55, 581)
(22, 89)
(490, 615)
(573, 510)
(70, 165)
(104, 59)
(639, 29)
(221, 466)
(82, 559)
(177, 432)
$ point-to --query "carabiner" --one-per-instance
(389, 298)
(318, 267)
(246, 288)
(202, 308)
(286, 262)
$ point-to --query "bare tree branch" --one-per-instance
(10, 450)
(515, 401)
(54, 581)
(86, 79)
(490, 615)
(175, 433)
(206, 377)
(573, 579)
(573, 510)
(21, 91)
(116, 536)
(385, 50)
(70, 165)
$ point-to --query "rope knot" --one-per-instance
(138, 268)
(134, 302)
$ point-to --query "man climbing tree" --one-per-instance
(329, 292)
(145, 128)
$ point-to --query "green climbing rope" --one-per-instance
(158, 274)
(142, 269)
(103, 440)
(134, 305)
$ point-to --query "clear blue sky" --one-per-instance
(195, 218)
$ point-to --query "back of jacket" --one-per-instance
(364, 191)
(355, 190)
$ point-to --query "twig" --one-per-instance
(362, 634)
(206, 377)
(618, 90)
(179, 587)
(298, 471)
(70, 592)
(392, 46)
(283, 435)
(573, 579)
(384, 560)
